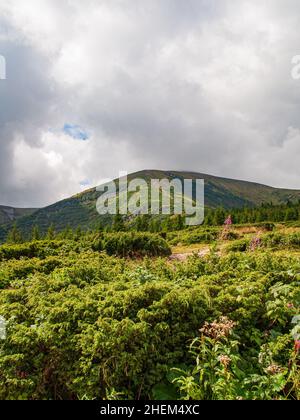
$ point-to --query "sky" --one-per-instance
(98, 87)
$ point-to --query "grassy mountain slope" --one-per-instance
(11, 214)
(80, 210)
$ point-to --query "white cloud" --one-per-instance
(202, 85)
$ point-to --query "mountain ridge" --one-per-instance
(80, 209)
(9, 214)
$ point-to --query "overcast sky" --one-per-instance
(96, 87)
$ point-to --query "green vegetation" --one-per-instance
(132, 244)
(110, 315)
(287, 241)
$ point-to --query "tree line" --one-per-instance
(289, 212)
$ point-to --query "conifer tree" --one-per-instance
(14, 236)
(35, 234)
(51, 233)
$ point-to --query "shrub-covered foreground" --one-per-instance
(85, 325)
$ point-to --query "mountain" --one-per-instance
(80, 210)
(11, 214)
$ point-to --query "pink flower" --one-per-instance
(255, 243)
(297, 345)
(290, 306)
(228, 221)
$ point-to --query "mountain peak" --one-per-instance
(80, 210)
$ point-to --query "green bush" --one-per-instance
(274, 240)
(21, 269)
(132, 244)
(38, 249)
(239, 246)
(281, 240)
(8, 252)
(196, 236)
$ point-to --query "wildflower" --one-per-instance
(226, 229)
(225, 360)
(218, 329)
(297, 345)
(290, 306)
(255, 243)
(228, 221)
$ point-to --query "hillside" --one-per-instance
(11, 214)
(80, 210)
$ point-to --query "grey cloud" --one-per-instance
(198, 85)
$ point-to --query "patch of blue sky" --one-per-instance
(76, 132)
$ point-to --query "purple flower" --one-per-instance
(255, 243)
(228, 221)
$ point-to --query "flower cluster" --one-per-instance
(218, 329)
(225, 360)
(228, 221)
(226, 229)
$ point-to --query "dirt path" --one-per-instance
(184, 256)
